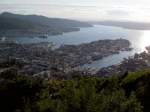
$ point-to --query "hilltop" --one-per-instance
(128, 92)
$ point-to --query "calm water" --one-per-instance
(138, 39)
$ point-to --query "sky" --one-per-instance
(86, 10)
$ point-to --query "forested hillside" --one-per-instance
(129, 92)
(12, 25)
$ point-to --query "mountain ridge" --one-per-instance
(35, 25)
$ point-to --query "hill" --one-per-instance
(33, 25)
(128, 92)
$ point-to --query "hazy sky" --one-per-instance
(131, 10)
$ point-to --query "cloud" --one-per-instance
(83, 9)
(117, 12)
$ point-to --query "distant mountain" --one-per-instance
(125, 24)
(7, 23)
(15, 24)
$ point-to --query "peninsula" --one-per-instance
(15, 25)
(36, 58)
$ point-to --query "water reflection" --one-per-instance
(139, 40)
(144, 40)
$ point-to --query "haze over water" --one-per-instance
(139, 40)
(89, 10)
(124, 10)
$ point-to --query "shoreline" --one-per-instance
(42, 57)
(33, 34)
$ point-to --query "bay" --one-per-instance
(139, 40)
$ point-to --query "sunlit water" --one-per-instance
(144, 40)
(139, 40)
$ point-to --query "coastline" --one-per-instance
(42, 56)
